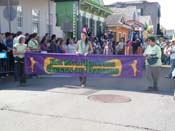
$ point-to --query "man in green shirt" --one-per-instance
(153, 63)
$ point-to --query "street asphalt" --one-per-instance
(59, 104)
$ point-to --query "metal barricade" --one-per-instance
(6, 64)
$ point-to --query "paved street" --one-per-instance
(59, 104)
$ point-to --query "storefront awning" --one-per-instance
(134, 22)
(121, 25)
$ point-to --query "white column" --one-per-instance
(95, 27)
(95, 19)
(88, 23)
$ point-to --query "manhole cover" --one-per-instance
(109, 98)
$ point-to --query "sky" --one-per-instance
(167, 19)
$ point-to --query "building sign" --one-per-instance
(92, 65)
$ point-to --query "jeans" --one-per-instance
(152, 75)
(83, 80)
(15, 72)
(172, 67)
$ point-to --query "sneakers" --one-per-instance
(168, 77)
(155, 89)
(149, 89)
(2, 77)
(82, 85)
(22, 84)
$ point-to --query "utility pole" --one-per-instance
(9, 14)
(49, 17)
(0, 25)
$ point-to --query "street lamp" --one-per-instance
(0, 24)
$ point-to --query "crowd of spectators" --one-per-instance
(104, 44)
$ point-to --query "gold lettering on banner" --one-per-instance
(118, 65)
(134, 67)
(33, 62)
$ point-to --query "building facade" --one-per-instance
(144, 8)
(60, 17)
(170, 34)
(72, 16)
(116, 24)
(29, 16)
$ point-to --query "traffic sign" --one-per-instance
(9, 13)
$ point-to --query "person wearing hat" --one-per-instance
(153, 63)
(172, 57)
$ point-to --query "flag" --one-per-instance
(145, 26)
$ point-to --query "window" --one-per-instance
(35, 20)
(83, 20)
(139, 12)
(19, 17)
(50, 24)
(87, 22)
(134, 15)
(124, 36)
(119, 36)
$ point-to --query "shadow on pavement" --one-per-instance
(166, 86)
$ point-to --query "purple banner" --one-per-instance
(120, 66)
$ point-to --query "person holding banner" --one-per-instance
(84, 47)
(153, 63)
(19, 50)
